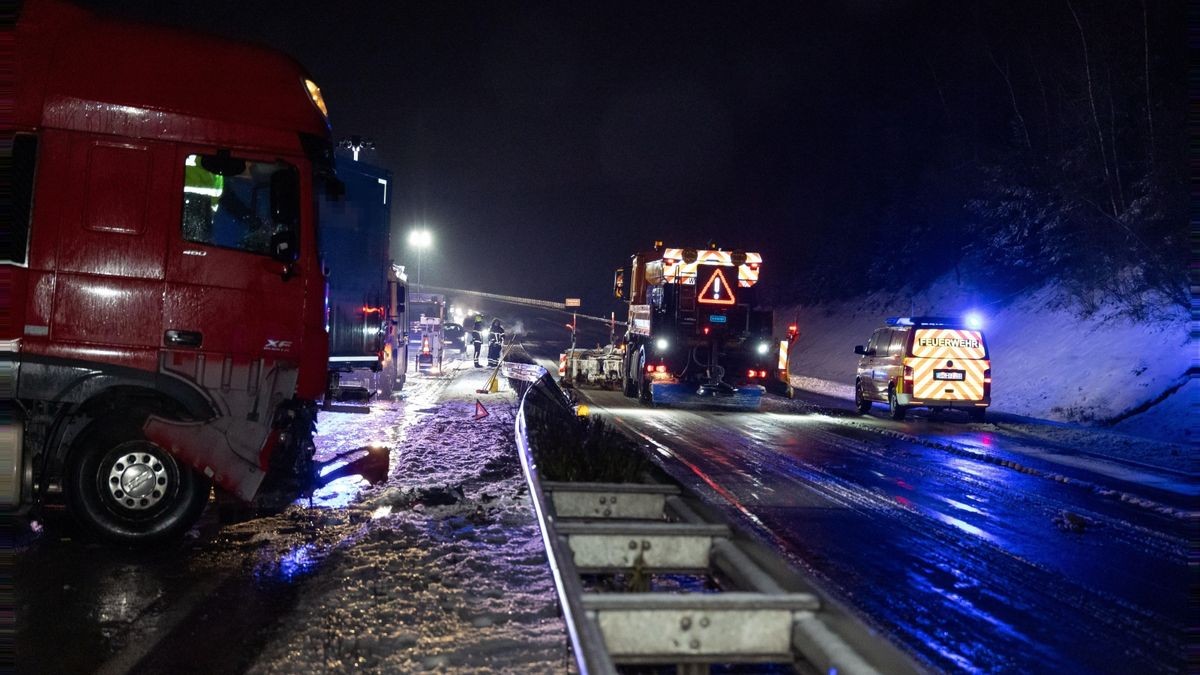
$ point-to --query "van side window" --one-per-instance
(885, 339)
(897, 343)
(234, 209)
(873, 345)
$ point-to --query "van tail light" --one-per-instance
(762, 373)
(706, 330)
(908, 379)
(751, 373)
(987, 376)
(649, 368)
(987, 384)
(660, 369)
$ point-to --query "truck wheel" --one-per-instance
(124, 488)
(629, 385)
(644, 392)
(387, 380)
(861, 403)
(895, 410)
(977, 414)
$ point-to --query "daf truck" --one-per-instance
(162, 309)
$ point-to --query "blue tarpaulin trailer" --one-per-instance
(366, 297)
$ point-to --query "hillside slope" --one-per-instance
(1047, 361)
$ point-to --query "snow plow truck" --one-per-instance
(694, 334)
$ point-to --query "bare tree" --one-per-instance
(1146, 64)
(1087, 69)
(1011, 96)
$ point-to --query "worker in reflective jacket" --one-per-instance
(477, 339)
(495, 342)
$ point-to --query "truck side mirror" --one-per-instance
(285, 211)
(283, 246)
(222, 164)
(860, 350)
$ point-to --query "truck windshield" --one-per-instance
(235, 211)
(948, 343)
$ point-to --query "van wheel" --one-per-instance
(861, 403)
(895, 410)
(977, 414)
(124, 488)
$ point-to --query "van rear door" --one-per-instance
(948, 364)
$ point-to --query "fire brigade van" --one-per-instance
(930, 362)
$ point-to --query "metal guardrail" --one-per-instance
(769, 615)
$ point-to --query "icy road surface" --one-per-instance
(441, 568)
(977, 549)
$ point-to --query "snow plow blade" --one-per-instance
(740, 398)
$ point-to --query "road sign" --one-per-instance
(480, 411)
(572, 302)
(717, 291)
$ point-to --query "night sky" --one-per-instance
(543, 143)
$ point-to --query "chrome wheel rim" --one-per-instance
(138, 479)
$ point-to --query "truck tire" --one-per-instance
(629, 385)
(122, 487)
(387, 380)
(861, 403)
(645, 395)
(895, 410)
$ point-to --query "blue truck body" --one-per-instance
(366, 294)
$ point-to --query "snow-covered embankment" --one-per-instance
(1048, 361)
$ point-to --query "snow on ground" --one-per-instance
(1182, 405)
(1048, 362)
(440, 568)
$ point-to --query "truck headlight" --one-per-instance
(661, 344)
(763, 348)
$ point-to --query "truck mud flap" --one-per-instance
(683, 395)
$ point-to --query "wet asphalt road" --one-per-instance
(972, 555)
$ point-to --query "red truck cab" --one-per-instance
(162, 293)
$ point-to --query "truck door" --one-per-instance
(235, 284)
(109, 283)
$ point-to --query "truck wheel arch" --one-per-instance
(120, 395)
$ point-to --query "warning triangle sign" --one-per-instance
(717, 291)
(480, 411)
